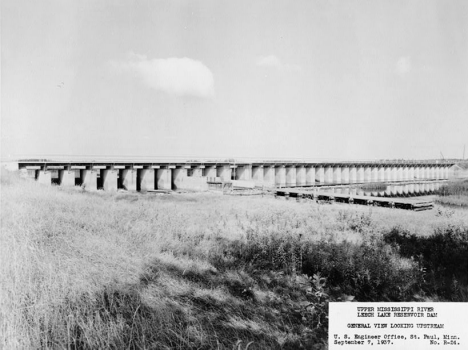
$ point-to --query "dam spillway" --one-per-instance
(112, 175)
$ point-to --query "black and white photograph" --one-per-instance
(234, 175)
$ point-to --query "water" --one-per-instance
(392, 190)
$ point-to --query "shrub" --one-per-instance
(442, 256)
(369, 270)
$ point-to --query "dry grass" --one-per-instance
(454, 193)
(100, 270)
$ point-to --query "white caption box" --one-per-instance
(402, 326)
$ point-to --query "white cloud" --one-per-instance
(403, 66)
(175, 76)
(272, 61)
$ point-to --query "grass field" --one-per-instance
(99, 270)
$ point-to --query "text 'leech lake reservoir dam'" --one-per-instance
(150, 175)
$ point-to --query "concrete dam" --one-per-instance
(197, 175)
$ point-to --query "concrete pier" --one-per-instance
(291, 176)
(345, 175)
(244, 173)
(90, 179)
(405, 174)
(269, 176)
(381, 174)
(181, 180)
(422, 188)
(388, 174)
(329, 175)
(337, 175)
(361, 174)
(310, 175)
(394, 173)
(196, 171)
(147, 180)
(300, 176)
(280, 176)
(374, 174)
(423, 173)
(258, 175)
(405, 190)
(320, 175)
(367, 174)
(247, 173)
(179, 175)
(352, 175)
(224, 172)
(109, 180)
(239, 173)
(44, 177)
(67, 177)
(129, 179)
(163, 178)
(210, 171)
(400, 174)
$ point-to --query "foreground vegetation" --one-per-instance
(454, 193)
(203, 271)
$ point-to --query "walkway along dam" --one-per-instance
(197, 175)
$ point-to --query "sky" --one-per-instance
(264, 79)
